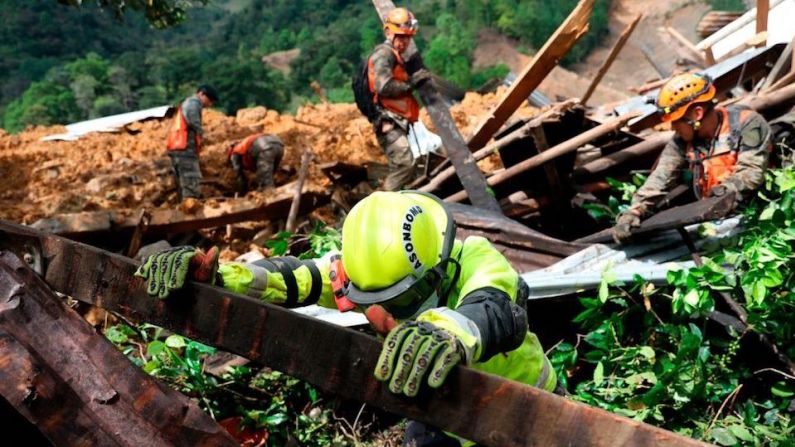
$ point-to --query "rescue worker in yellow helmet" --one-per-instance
(392, 86)
(720, 150)
(438, 301)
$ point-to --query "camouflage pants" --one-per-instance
(267, 152)
(187, 172)
(395, 144)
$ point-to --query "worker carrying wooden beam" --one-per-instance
(720, 150)
(437, 300)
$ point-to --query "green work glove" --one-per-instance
(625, 223)
(168, 270)
(413, 350)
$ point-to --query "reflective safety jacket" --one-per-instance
(403, 104)
(242, 149)
(291, 282)
(712, 165)
(186, 131)
(737, 157)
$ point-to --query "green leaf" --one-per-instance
(175, 341)
(155, 347)
(781, 389)
(598, 373)
(647, 352)
(723, 436)
(741, 433)
(691, 297)
(276, 419)
(768, 212)
(604, 291)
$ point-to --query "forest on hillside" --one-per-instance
(60, 64)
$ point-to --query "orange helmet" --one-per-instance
(682, 91)
(401, 21)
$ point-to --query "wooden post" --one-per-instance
(473, 180)
(518, 134)
(695, 52)
(709, 56)
(782, 64)
(762, 11)
(622, 39)
(563, 148)
(306, 158)
(567, 34)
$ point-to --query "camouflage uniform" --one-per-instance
(391, 129)
(186, 163)
(783, 129)
(673, 166)
(267, 152)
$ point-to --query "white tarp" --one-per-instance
(780, 29)
(112, 123)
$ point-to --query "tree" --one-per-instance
(160, 13)
(450, 51)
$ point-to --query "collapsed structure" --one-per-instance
(522, 169)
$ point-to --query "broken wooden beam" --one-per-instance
(652, 144)
(784, 96)
(781, 67)
(622, 39)
(306, 158)
(74, 385)
(688, 45)
(762, 11)
(563, 148)
(213, 213)
(468, 172)
(567, 34)
(696, 212)
(523, 132)
(487, 409)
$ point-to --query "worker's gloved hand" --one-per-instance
(414, 350)
(625, 223)
(420, 77)
(241, 185)
(724, 190)
(167, 270)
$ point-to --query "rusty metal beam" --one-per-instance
(567, 34)
(75, 385)
(468, 171)
(485, 408)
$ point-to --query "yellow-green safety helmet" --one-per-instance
(395, 247)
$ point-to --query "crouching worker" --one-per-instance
(718, 150)
(259, 152)
(437, 300)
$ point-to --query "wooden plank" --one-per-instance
(691, 49)
(70, 381)
(468, 172)
(292, 216)
(622, 39)
(762, 11)
(700, 211)
(654, 143)
(161, 221)
(518, 134)
(567, 34)
(563, 148)
(482, 407)
(782, 65)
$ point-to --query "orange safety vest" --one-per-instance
(178, 134)
(711, 167)
(242, 150)
(404, 105)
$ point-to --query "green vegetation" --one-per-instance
(653, 355)
(60, 64)
(728, 5)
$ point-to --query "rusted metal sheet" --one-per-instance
(569, 32)
(468, 171)
(482, 407)
(700, 211)
(161, 221)
(75, 385)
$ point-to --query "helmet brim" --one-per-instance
(680, 111)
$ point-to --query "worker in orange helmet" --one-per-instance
(720, 150)
(391, 88)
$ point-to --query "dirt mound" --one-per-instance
(131, 170)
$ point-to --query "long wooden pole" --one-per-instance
(306, 158)
(622, 39)
(762, 11)
(567, 34)
(563, 148)
(492, 148)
